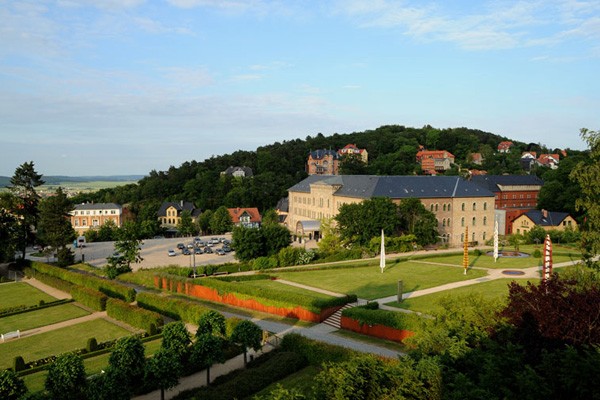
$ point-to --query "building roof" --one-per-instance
(440, 154)
(283, 204)
(492, 182)
(395, 187)
(238, 212)
(180, 206)
(246, 171)
(505, 145)
(546, 218)
(322, 153)
(97, 206)
(350, 148)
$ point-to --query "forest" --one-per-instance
(278, 166)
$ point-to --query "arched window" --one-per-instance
(436, 207)
(444, 222)
(462, 221)
(474, 221)
(484, 222)
(485, 206)
(474, 206)
(449, 207)
(462, 237)
(473, 237)
(463, 206)
(484, 236)
(448, 221)
(431, 208)
(444, 208)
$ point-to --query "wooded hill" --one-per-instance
(278, 166)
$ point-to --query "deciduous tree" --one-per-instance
(66, 378)
(164, 370)
(11, 386)
(54, 228)
(248, 335)
(220, 222)
(127, 362)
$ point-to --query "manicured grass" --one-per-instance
(369, 283)
(36, 318)
(269, 284)
(58, 341)
(496, 289)
(15, 294)
(302, 381)
(93, 365)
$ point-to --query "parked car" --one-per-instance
(198, 250)
(226, 248)
(180, 246)
(186, 252)
(171, 253)
(220, 252)
(208, 250)
(190, 245)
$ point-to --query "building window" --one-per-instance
(485, 206)
(484, 222)
(484, 236)
(474, 206)
(448, 221)
(462, 221)
(462, 237)
(463, 206)
(436, 207)
(431, 208)
(76, 222)
(474, 221)
(444, 222)
(84, 222)
(473, 237)
(449, 206)
(444, 207)
(95, 222)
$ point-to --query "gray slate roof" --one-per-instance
(97, 206)
(554, 218)
(395, 187)
(180, 207)
(319, 154)
(491, 182)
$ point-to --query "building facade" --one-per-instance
(434, 161)
(246, 217)
(545, 219)
(169, 213)
(94, 215)
(352, 149)
(455, 202)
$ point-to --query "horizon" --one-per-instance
(98, 88)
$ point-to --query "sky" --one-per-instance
(117, 87)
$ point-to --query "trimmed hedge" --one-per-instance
(134, 316)
(89, 297)
(6, 312)
(178, 309)
(315, 352)
(244, 278)
(50, 280)
(372, 316)
(267, 296)
(109, 288)
(241, 384)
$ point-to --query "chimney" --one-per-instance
(181, 203)
(545, 213)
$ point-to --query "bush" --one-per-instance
(537, 253)
(477, 252)
(134, 316)
(92, 345)
(261, 263)
(19, 364)
(89, 297)
(313, 351)
(178, 309)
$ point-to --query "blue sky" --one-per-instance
(93, 87)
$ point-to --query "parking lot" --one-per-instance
(155, 253)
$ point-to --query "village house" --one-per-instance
(93, 215)
(546, 219)
(238, 172)
(455, 202)
(327, 162)
(434, 161)
(504, 147)
(352, 149)
(246, 217)
(169, 214)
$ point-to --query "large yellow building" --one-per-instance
(93, 215)
(456, 203)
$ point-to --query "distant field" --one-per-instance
(91, 186)
(21, 294)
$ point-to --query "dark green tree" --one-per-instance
(270, 217)
(66, 378)
(220, 222)
(211, 323)
(352, 164)
(249, 243)
(107, 232)
(275, 238)
(586, 174)
(127, 362)
(204, 222)
(359, 223)
(163, 370)
(23, 184)
(206, 351)
(9, 227)
(176, 338)
(186, 224)
(248, 335)
(417, 220)
(54, 227)
(128, 248)
(11, 386)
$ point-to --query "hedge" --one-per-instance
(89, 297)
(315, 352)
(109, 288)
(178, 309)
(264, 295)
(134, 316)
(241, 384)
(6, 312)
(370, 316)
(50, 280)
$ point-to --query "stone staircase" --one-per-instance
(335, 320)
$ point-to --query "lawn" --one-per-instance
(369, 283)
(302, 381)
(93, 365)
(496, 289)
(36, 318)
(58, 341)
(269, 284)
(15, 294)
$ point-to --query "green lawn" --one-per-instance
(269, 284)
(58, 341)
(36, 318)
(302, 381)
(496, 289)
(93, 365)
(369, 283)
(15, 294)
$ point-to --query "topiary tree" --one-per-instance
(11, 386)
(128, 361)
(247, 334)
(164, 370)
(211, 323)
(176, 338)
(66, 378)
(206, 351)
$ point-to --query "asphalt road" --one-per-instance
(154, 253)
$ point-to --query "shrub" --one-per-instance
(477, 252)
(178, 309)
(92, 345)
(393, 319)
(313, 351)
(89, 297)
(134, 316)
(19, 364)
(261, 263)
(537, 253)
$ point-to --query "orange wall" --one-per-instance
(380, 331)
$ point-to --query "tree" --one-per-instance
(54, 228)
(164, 370)
(330, 238)
(248, 335)
(9, 227)
(11, 386)
(211, 323)
(66, 378)
(206, 351)
(352, 164)
(107, 232)
(358, 223)
(220, 222)
(176, 338)
(249, 243)
(586, 174)
(24, 182)
(276, 237)
(127, 362)
(417, 220)
(270, 217)
(204, 222)
(186, 224)
(128, 249)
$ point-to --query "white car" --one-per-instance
(171, 253)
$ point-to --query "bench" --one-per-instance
(10, 335)
(197, 275)
(221, 273)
